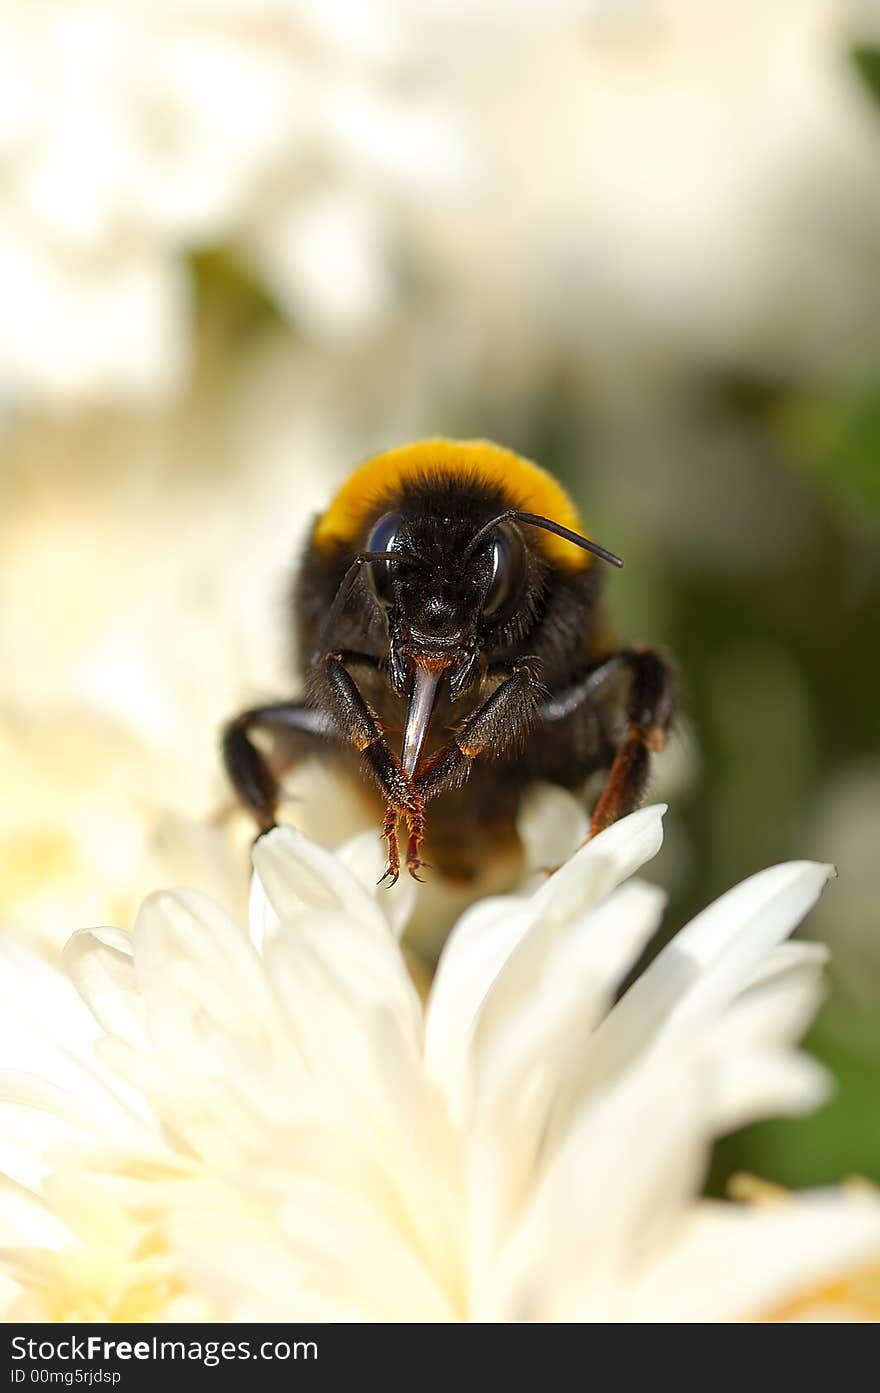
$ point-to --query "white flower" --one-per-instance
(133, 134)
(689, 186)
(90, 825)
(272, 1127)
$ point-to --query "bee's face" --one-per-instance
(445, 597)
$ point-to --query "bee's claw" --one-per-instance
(263, 832)
(391, 875)
(414, 865)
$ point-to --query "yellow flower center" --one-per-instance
(853, 1297)
(96, 1282)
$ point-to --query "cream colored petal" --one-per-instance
(297, 874)
(37, 1119)
(790, 957)
(523, 1055)
(100, 963)
(500, 943)
(317, 1249)
(34, 990)
(715, 956)
(609, 1196)
(262, 917)
(480, 943)
(589, 955)
(362, 971)
(696, 976)
(26, 1220)
(48, 1034)
(734, 1262)
(357, 1022)
(601, 864)
(203, 985)
(552, 824)
(776, 1011)
(566, 917)
(365, 856)
(487, 934)
(754, 1084)
(756, 915)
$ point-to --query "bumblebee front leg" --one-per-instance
(650, 708)
(360, 723)
(499, 725)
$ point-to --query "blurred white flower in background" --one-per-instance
(146, 564)
(271, 1127)
(696, 184)
(92, 818)
(649, 181)
(296, 132)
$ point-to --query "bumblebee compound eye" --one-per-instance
(383, 537)
(508, 561)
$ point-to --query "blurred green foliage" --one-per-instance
(781, 662)
(866, 61)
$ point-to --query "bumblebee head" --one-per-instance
(444, 589)
(453, 559)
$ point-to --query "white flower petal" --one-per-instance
(734, 1262)
(757, 914)
(268, 1103)
(776, 1011)
(262, 917)
(602, 863)
(26, 1219)
(589, 955)
(202, 983)
(583, 1230)
(26, 977)
(522, 1058)
(298, 874)
(480, 943)
(488, 936)
(323, 962)
(364, 856)
(788, 958)
(101, 966)
(706, 964)
(552, 824)
(749, 1086)
(323, 1251)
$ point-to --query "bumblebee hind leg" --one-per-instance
(642, 685)
(650, 708)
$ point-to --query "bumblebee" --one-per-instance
(449, 630)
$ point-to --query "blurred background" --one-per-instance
(245, 243)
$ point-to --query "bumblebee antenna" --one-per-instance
(363, 558)
(546, 525)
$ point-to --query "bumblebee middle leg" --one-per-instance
(254, 775)
(495, 728)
